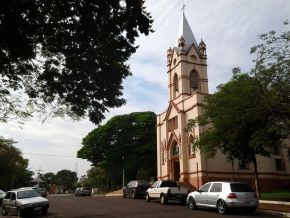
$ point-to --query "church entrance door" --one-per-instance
(176, 170)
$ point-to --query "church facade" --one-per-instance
(187, 89)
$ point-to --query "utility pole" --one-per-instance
(38, 176)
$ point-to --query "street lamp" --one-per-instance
(123, 173)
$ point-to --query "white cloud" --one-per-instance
(228, 27)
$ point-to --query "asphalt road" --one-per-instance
(118, 207)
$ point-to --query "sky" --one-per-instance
(228, 27)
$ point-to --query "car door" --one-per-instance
(128, 189)
(153, 190)
(214, 193)
(10, 202)
(201, 194)
(6, 201)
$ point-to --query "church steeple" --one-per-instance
(186, 64)
(185, 35)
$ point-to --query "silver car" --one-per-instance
(224, 195)
(24, 201)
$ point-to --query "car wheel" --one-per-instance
(192, 204)
(163, 199)
(133, 194)
(221, 206)
(124, 195)
(4, 212)
(147, 197)
(44, 211)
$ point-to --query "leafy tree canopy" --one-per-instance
(68, 57)
(125, 141)
(13, 167)
(250, 114)
(66, 178)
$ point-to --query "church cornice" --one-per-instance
(187, 62)
(189, 95)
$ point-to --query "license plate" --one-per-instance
(37, 208)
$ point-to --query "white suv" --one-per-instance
(24, 201)
(224, 195)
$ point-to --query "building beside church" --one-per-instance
(187, 88)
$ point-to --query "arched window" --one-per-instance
(190, 140)
(175, 149)
(194, 80)
(175, 83)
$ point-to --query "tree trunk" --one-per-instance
(257, 183)
(233, 170)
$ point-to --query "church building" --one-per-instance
(187, 89)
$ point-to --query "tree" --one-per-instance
(49, 178)
(66, 178)
(67, 57)
(250, 115)
(98, 178)
(13, 167)
(124, 142)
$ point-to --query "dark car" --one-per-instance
(136, 189)
(83, 191)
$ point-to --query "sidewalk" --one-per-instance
(281, 206)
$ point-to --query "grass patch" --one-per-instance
(276, 196)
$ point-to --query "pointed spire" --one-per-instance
(186, 33)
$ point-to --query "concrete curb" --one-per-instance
(274, 202)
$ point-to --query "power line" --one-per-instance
(50, 155)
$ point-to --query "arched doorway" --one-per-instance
(175, 165)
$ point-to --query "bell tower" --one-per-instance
(186, 65)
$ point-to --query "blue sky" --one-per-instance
(228, 27)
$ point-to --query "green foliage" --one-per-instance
(13, 167)
(68, 57)
(97, 178)
(276, 196)
(66, 178)
(132, 136)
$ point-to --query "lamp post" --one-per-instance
(123, 173)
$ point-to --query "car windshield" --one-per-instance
(143, 183)
(87, 189)
(241, 187)
(27, 194)
(168, 184)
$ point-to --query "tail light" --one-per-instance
(232, 196)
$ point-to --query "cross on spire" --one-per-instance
(183, 7)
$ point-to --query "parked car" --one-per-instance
(2, 195)
(166, 190)
(135, 189)
(83, 191)
(41, 191)
(24, 201)
(224, 195)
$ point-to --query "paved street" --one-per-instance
(117, 207)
